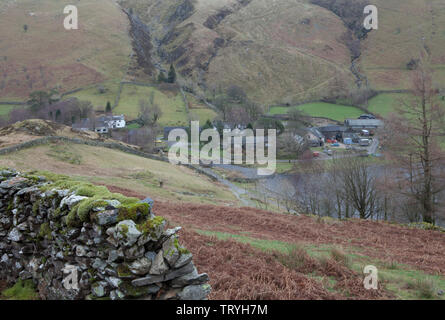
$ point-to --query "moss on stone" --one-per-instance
(85, 207)
(50, 176)
(149, 226)
(71, 219)
(180, 248)
(22, 290)
(57, 212)
(96, 198)
(10, 207)
(101, 298)
(89, 190)
(132, 291)
(123, 271)
(134, 211)
(124, 230)
(36, 207)
(45, 231)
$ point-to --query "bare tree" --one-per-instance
(236, 93)
(293, 143)
(412, 138)
(357, 185)
(149, 112)
(86, 109)
(223, 106)
(253, 109)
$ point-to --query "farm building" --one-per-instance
(333, 132)
(363, 124)
(315, 137)
(100, 124)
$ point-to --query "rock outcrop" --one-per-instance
(79, 241)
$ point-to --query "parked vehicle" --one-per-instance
(365, 142)
(314, 143)
(367, 116)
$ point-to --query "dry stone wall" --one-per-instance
(78, 241)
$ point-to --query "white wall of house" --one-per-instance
(112, 124)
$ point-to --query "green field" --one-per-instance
(99, 100)
(5, 109)
(171, 103)
(202, 115)
(321, 110)
(198, 111)
(385, 103)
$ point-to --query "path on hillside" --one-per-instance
(237, 191)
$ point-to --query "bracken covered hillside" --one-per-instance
(254, 254)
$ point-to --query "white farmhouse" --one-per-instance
(102, 124)
(114, 122)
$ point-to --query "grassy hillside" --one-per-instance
(98, 99)
(121, 171)
(278, 53)
(283, 52)
(384, 104)
(47, 56)
(5, 109)
(171, 103)
(406, 29)
(323, 110)
(291, 50)
(199, 111)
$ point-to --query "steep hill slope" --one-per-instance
(406, 29)
(46, 55)
(157, 179)
(285, 49)
(292, 50)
